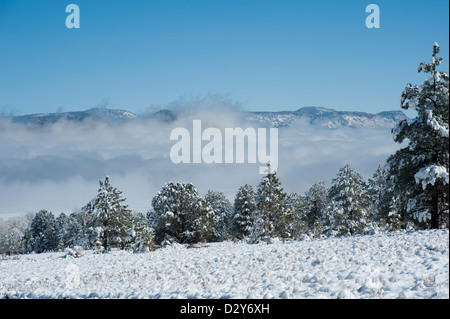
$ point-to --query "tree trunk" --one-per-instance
(435, 212)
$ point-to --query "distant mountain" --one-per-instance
(313, 115)
(327, 117)
(165, 115)
(96, 114)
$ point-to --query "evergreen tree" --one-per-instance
(152, 219)
(420, 170)
(376, 186)
(43, 233)
(316, 200)
(70, 229)
(347, 213)
(109, 221)
(222, 210)
(141, 238)
(182, 215)
(272, 217)
(243, 210)
(298, 227)
(383, 200)
(62, 221)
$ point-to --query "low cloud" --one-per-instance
(57, 167)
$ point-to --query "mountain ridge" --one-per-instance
(321, 116)
(329, 117)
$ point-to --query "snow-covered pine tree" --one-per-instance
(347, 213)
(141, 238)
(62, 226)
(420, 171)
(43, 233)
(316, 200)
(272, 217)
(389, 212)
(222, 210)
(383, 201)
(109, 221)
(376, 186)
(63, 234)
(70, 229)
(243, 209)
(182, 215)
(152, 219)
(298, 227)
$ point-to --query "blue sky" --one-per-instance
(267, 55)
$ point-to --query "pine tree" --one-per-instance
(222, 210)
(43, 233)
(383, 200)
(62, 221)
(316, 200)
(420, 171)
(70, 229)
(376, 186)
(109, 221)
(298, 227)
(182, 215)
(243, 210)
(347, 213)
(141, 238)
(272, 217)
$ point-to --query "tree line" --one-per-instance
(410, 191)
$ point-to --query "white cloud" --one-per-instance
(58, 167)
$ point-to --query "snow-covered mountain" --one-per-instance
(96, 114)
(327, 117)
(313, 115)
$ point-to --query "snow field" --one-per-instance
(393, 265)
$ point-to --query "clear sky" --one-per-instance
(268, 55)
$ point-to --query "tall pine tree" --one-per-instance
(243, 209)
(109, 221)
(420, 171)
(298, 226)
(222, 210)
(383, 200)
(272, 217)
(316, 200)
(347, 213)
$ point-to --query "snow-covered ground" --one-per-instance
(394, 265)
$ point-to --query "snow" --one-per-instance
(413, 102)
(389, 265)
(433, 122)
(429, 174)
